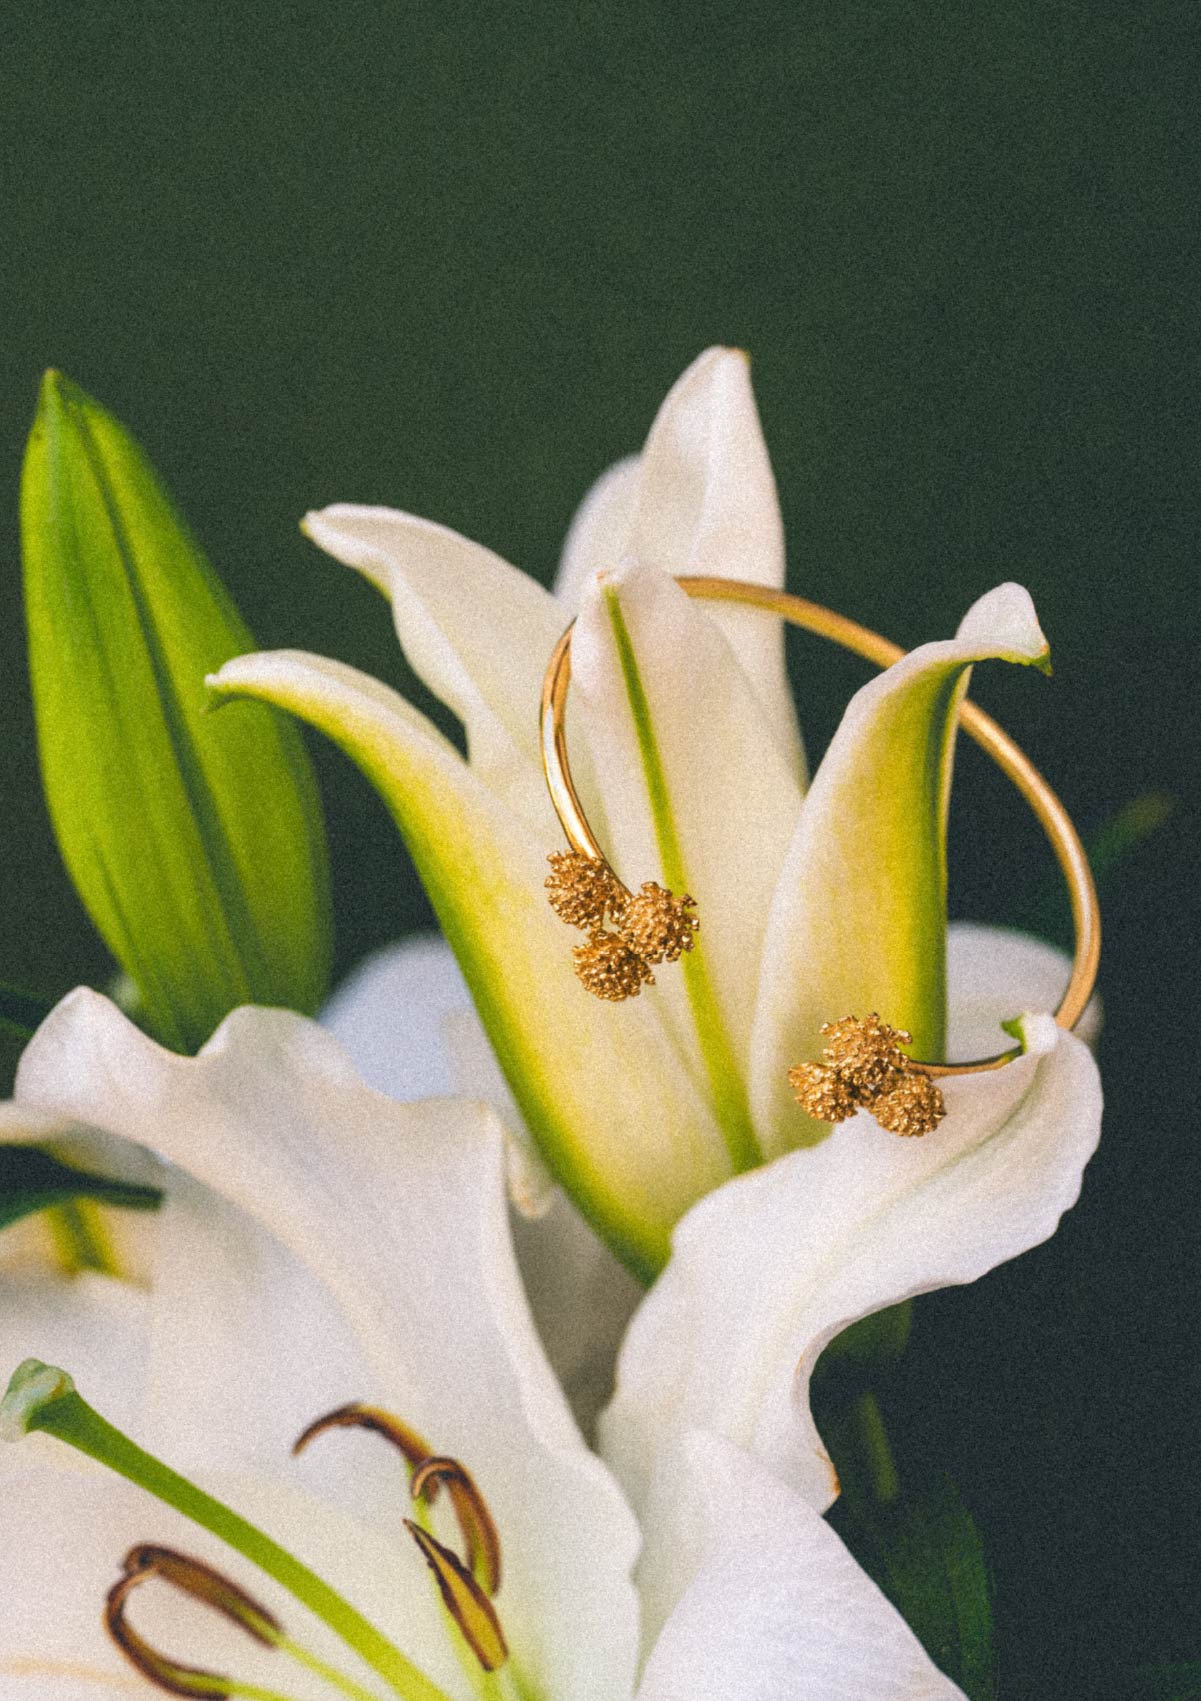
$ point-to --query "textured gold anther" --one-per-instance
(580, 890)
(867, 1054)
(610, 968)
(658, 925)
(822, 1093)
(915, 1107)
(865, 1066)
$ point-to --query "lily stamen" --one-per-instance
(464, 1600)
(464, 1586)
(355, 1415)
(429, 1471)
(480, 1534)
(192, 1577)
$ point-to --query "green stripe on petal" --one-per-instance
(859, 919)
(717, 1050)
(604, 1092)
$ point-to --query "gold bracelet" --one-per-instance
(864, 1063)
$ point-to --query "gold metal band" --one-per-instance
(1012, 760)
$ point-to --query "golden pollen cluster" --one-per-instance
(865, 1066)
(610, 969)
(657, 924)
(653, 927)
(580, 890)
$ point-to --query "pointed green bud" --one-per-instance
(194, 840)
(32, 1387)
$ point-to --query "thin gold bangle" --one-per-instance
(1009, 757)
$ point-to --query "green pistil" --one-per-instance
(40, 1398)
(726, 1085)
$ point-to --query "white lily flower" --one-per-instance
(812, 907)
(687, 751)
(319, 1243)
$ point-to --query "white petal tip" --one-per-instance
(1004, 620)
(1036, 1033)
(32, 1386)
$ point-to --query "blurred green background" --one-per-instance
(450, 257)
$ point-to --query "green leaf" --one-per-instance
(31, 1180)
(20, 1012)
(194, 840)
(925, 1553)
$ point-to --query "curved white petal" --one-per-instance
(993, 974)
(707, 504)
(477, 631)
(398, 1213)
(700, 499)
(580, 1296)
(695, 797)
(390, 1014)
(767, 1270)
(762, 1601)
(599, 535)
(605, 1094)
(858, 922)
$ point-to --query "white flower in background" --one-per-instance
(812, 906)
(319, 1243)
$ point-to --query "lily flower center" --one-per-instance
(466, 1569)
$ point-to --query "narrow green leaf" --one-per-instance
(925, 1553)
(31, 1180)
(195, 841)
(21, 1012)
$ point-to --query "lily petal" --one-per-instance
(695, 796)
(592, 1090)
(702, 501)
(398, 1211)
(993, 974)
(477, 631)
(775, 1608)
(858, 922)
(386, 1015)
(599, 536)
(767, 1270)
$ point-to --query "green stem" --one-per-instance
(717, 1049)
(71, 1419)
(305, 1657)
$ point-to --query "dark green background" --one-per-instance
(451, 257)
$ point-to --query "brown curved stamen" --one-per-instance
(430, 1470)
(480, 1537)
(464, 1599)
(358, 1416)
(192, 1577)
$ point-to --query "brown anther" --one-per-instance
(867, 1054)
(822, 1093)
(464, 1599)
(610, 969)
(914, 1107)
(356, 1416)
(480, 1536)
(580, 890)
(657, 925)
(429, 1471)
(192, 1577)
